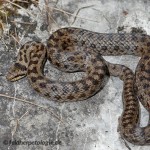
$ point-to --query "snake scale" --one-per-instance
(73, 49)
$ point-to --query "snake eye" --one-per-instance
(18, 66)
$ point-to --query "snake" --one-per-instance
(73, 49)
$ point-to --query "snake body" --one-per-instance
(74, 49)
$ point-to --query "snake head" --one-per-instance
(16, 72)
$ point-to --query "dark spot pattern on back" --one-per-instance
(42, 85)
(70, 97)
(33, 79)
(148, 44)
(77, 41)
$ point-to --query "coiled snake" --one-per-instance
(74, 49)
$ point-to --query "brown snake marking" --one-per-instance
(73, 49)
